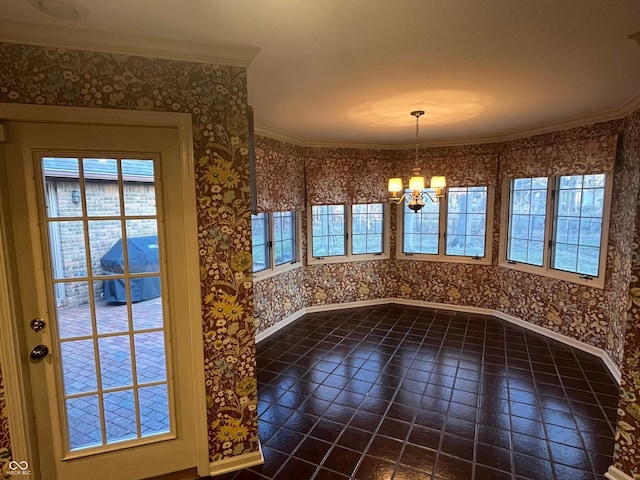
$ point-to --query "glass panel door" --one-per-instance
(107, 263)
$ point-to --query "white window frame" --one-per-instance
(349, 256)
(274, 269)
(545, 270)
(441, 256)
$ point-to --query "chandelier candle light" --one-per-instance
(417, 197)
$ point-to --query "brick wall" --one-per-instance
(102, 199)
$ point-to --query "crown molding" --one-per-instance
(301, 142)
(126, 44)
(622, 111)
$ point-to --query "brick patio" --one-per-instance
(116, 372)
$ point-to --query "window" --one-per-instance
(557, 226)
(453, 229)
(528, 207)
(260, 241)
(275, 241)
(342, 233)
(284, 237)
(366, 228)
(329, 232)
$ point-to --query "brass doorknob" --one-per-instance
(38, 353)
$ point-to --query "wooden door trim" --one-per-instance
(13, 375)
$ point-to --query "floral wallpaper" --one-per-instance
(463, 167)
(561, 156)
(279, 176)
(450, 283)
(216, 97)
(278, 297)
(347, 175)
(627, 453)
(347, 282)
(5, 441)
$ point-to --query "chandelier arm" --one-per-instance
(398, 200)
(433, 199)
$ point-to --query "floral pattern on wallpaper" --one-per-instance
(279, 176)
(216, 97)
(278, 297)
(460, 170)
(627, 451)
(448, 283)
(347, 175)
(347, 282)
(562, 154)
(5, 441)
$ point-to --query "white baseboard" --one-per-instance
(572, 342)
(281, 324)
(236, 463)
(340, 306)
(616, 474)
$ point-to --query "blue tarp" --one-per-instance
(143, 257)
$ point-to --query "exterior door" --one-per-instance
(101, 251)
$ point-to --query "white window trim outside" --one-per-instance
(350, 257)
(274, 270)
(441, 256)
(545, 270)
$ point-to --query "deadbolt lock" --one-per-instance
(37, 324)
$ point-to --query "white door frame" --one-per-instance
(14, 372)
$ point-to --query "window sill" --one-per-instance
(264, 274)
(418, 257)
(347, 259)
(555, 274)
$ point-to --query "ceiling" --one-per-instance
(350, 71)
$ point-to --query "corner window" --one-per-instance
(557, 226)
(274, 242)
(343, 233)
(453, 229)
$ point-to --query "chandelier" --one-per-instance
(417, 197)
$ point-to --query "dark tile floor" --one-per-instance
(398, 392)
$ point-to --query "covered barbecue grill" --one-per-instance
(143, 257)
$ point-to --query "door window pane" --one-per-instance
(63, 197)
(150, 348)
(83, 422)
(101, 191)
(103, 236)
(70, 249)
(138, 187)
(115, 352)
(154, 409)
(78, 366)
(120, 415)
(73, 309)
